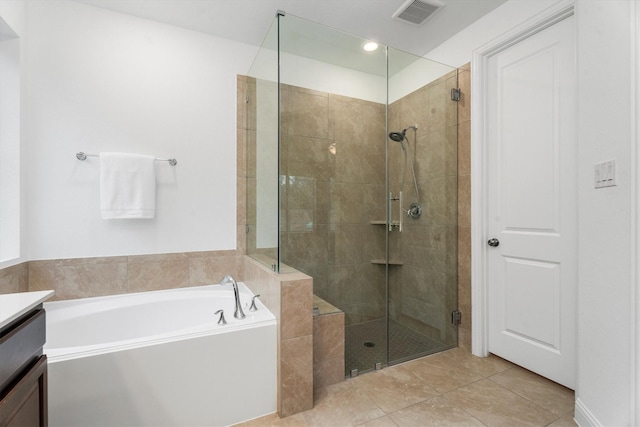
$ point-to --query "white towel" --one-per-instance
(127, 186)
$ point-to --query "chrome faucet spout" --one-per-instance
(238, 314)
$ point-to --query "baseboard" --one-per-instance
(583, 417)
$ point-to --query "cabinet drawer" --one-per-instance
(20, 345)
(25, 405)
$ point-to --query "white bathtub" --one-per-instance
(160, 359)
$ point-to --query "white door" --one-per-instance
(532, 203)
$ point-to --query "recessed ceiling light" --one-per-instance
(370, 46)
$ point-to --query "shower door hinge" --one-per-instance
(456, 317)
(455, 94)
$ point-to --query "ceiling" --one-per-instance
(248, 21)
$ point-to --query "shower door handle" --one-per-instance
(390, 211)
(400, 212)
(493, 242)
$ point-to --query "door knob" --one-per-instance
(493, 242)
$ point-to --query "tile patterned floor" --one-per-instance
(452, 388)
(366, 344)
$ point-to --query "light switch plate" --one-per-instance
(604, 174)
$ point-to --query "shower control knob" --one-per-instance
(493, 242)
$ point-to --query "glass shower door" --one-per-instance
(332, 148)
(422, 182)
(325, 181)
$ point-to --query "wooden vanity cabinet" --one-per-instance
(23, 372)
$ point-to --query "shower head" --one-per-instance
(398, 136)
(401, 136)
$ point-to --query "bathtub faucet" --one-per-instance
(238, 314)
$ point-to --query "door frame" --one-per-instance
(479, 176)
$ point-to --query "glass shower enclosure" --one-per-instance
(352, 179)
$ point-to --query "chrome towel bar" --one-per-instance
(83, 156)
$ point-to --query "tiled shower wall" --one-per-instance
(333, 149)
(332, 155)
(333, 158)
(288, 296)
(464, 206)
(422, 291)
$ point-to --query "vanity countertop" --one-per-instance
(15, 305)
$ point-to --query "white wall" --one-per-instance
(103, 81)
(14, 13)
(317, 75)
(605, 131)
(457, 50)
(414, 76)
(9, 148)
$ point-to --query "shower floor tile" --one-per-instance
(365, 345)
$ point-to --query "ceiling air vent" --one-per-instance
(417, 11)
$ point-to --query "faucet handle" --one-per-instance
(221, 320)
(253, 303)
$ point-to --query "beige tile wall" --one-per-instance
(328, 345)
(290, 298)
(90, 277)
(422, 292)
(14, 279)
(245, 160)
(464, 206)
(333, 155)
(247, 163)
